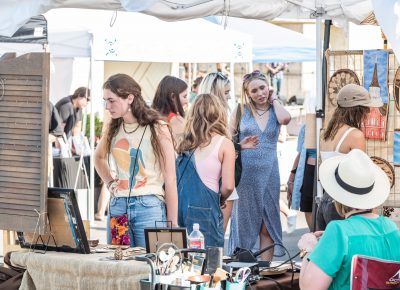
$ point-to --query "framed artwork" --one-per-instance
(65, 231)
(375, 81)
(396, 147)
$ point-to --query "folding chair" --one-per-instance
(373, 273)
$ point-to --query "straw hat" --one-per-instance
(352, 95)
(354, 180)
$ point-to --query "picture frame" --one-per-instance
(156, 236)
(65, 231)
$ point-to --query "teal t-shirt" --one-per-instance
(377, 237)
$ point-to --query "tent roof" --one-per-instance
(126, 39)
(15, 13)
(272, 43)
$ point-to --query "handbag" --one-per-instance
(236, 143)
(119, 225)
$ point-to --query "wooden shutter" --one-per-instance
(24, 129)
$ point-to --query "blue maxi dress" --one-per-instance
(259, 187)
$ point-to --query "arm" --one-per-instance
(169, 173)
(312, 277)
(100, 162)
(248, 142)
(76, 131)
(291, 178)
(281, 113)
(227, 157)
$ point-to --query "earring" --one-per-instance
(129, 109)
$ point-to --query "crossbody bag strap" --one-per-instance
(134, 167)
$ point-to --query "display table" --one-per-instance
(54, 270)
(284, 280)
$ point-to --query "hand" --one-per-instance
(318, 234)
(249, 142)
(271, 95)
(307, 242)
(289, 193)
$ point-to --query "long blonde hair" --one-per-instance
(214, 83)
(206, 116)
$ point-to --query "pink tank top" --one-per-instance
(209, 169)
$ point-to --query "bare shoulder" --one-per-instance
(356, 140)
(356, 134)
(227, 144)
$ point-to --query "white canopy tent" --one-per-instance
(271, 43)
(15, 13)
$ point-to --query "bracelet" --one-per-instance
(112, 186)
(290, 182)
(303, 253)
(272, 101)
(109, 183)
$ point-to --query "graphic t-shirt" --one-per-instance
(147, 177)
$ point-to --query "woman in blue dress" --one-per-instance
(255, 215)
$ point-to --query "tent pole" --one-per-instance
(318, 51)
(250, 66)
(92, 140)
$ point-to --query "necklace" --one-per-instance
(262, 111)
(360, 212)
(130, 132)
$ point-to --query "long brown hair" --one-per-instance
(123, 85)
(166, 98)
(206, 116)
(351, 116)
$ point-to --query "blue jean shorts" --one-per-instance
(143, 212)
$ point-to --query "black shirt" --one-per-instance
(69, 115)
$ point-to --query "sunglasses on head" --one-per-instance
(254, 74)
(220, 75)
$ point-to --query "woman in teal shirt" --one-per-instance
(358, 186)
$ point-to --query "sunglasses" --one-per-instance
(219, 75)
(254, 74)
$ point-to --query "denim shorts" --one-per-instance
(143, 212)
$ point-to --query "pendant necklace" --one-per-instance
(130, 132)
(262, 111)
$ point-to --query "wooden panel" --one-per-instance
(32, 125)
(29, 164)
(12, 177)
(24, 123)
(18, 201)
(18, 115)
(8, 191)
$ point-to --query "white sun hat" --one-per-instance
(354, 180)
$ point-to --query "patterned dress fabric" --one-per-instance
(259, 187)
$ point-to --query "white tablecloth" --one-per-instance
(56, 271)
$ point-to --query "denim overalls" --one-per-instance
(197, 203)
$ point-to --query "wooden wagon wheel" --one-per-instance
(386, 167)
(338, 80)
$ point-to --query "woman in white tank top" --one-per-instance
(343, 134)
